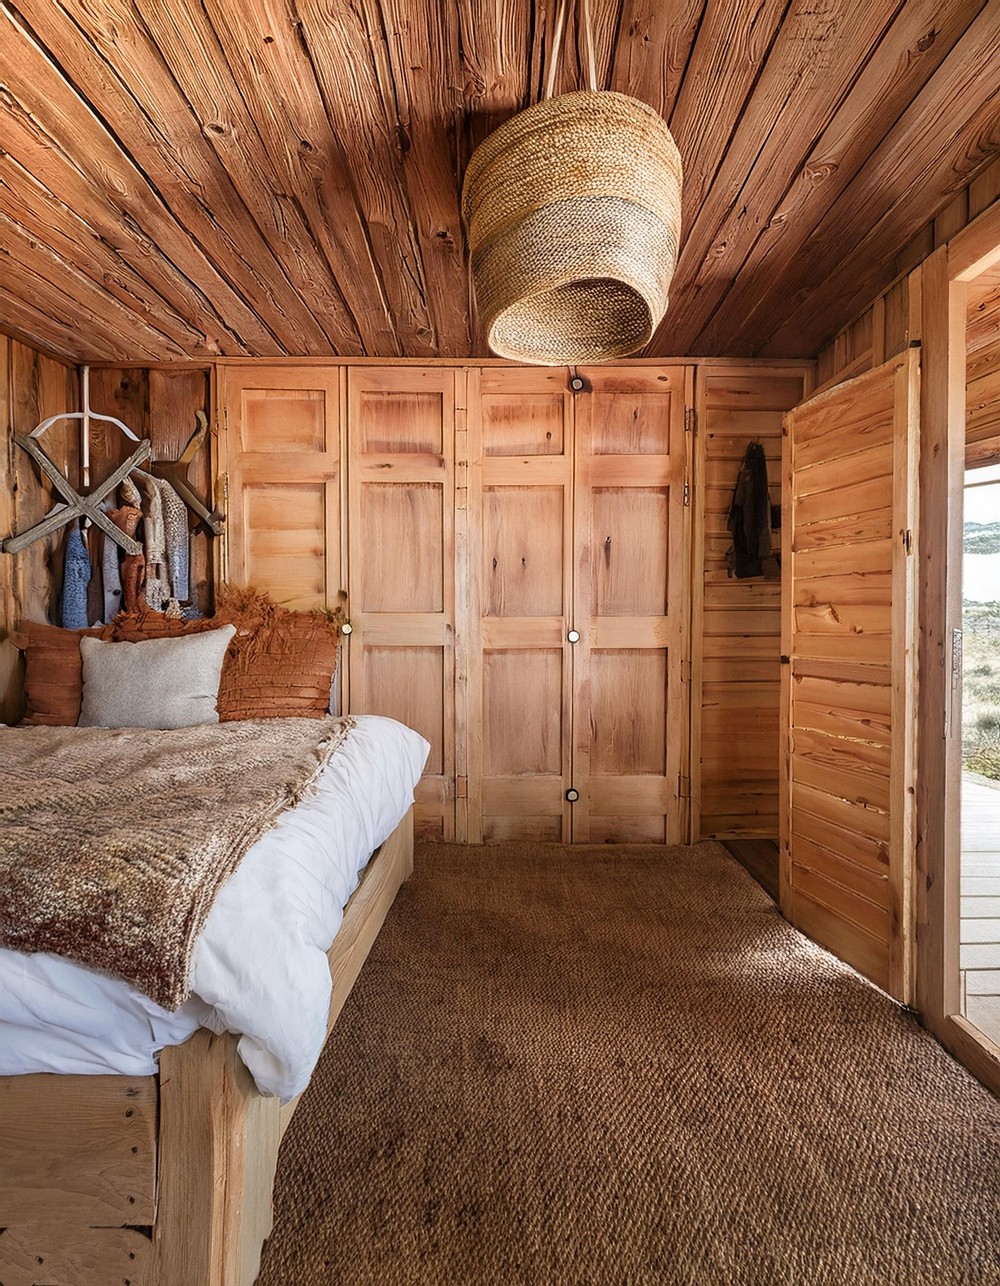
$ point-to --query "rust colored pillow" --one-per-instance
(280, 663)
(53, 670)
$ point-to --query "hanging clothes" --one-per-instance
(140, 489)
(132, 569)
(76, 578)
(165, 525)
(112, 579)
(749, 520)
(177, 535)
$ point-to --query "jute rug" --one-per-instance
(599, 1066)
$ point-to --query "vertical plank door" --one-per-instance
(401, 554)
(847, 833)
(281, 452)
(630, 606)
(519, 600)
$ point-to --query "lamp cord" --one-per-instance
(557, 39)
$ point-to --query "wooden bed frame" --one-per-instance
(161, 1180)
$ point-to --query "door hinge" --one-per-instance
(687, 492)
(690, 420)
(908, 541)
(683, 787)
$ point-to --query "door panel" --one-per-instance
(401, 550)
(520, 442)
(848, 841)
(282, 455)
(630, 606)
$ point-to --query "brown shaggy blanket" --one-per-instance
(115, 841)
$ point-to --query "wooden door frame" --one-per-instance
(945, 277)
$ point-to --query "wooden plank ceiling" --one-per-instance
(218, 177)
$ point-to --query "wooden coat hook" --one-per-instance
(78, 505)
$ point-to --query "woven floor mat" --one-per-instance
(622, 1066)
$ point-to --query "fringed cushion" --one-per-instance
(280, 663)
(53, 675)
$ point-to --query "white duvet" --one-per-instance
(259, 967)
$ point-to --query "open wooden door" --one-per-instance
(849, 643)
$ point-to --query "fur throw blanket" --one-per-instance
(115, 842)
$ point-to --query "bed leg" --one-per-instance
(218, 1151)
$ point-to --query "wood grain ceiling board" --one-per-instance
(910, 51)
(212, 177)
(948, 132)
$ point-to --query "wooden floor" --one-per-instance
(980, 940)
(980, 937)
(760, 858)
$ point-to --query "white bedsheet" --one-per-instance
(259, 967)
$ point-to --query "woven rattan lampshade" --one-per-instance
(573, 211)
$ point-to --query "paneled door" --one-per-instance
(519, 595)
(576, 708)
(401, 554)
(631, 606)
(281, 453)
(849, 638)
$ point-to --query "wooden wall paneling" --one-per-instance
(33, 386)
(401, 534)
(161, 405)
(848, 828)
(736, 624)
(630, 606)
(520, 431)
(282, 455)
(175, 398)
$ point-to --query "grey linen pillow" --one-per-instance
(161, 683)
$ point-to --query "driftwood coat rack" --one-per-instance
(86, 503)
(77, 505)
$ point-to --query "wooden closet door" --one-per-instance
(519, 576)
(631, 606)
(401, 555)
(281, 452)
(847, 835)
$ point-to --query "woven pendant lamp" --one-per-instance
(573, 215)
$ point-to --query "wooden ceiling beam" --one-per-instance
(730, 50)
(913, 48)
(224, 64)
(31, 325)
(928, 150)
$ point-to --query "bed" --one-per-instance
(124, 1162)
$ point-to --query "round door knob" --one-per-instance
(572, 795)
(577, 384)
(347, 628)
(574, 636)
